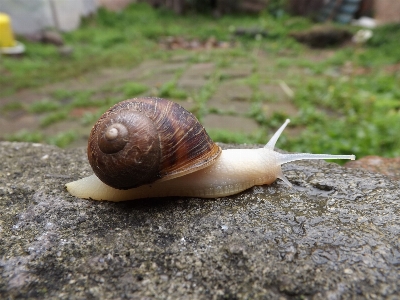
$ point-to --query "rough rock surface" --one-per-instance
(378, 164)
(333, 235)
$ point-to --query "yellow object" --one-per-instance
(6, 34)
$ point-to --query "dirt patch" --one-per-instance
(177, 42)
(322, 36)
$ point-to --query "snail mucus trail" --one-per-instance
(152, 147)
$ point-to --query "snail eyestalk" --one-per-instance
(271, 143)
(283, 158)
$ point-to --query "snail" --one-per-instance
(152, 147)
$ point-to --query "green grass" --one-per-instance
(123, 40)
(62, 139)
(132, 89)
(172, 91)
(350, 115)
(42, 106)
(90, 118)
(357, 111)
(53, 118)
(26, 136)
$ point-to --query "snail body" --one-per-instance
(215, 173)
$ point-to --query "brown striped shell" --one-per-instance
(141, 140)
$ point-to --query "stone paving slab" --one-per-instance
(231, 95)
(232, 90)
(237, 71)
(272, 92)
(196, 76)
(285, 107)
(191, 85)
(155, 81)
(237, 124)
(233, 106)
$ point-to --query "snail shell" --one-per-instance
(142, 140)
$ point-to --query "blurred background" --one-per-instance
(242, 67)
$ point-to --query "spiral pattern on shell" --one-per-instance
(141, 140)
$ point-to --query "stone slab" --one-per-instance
(231, 123)
(196, 76)
(272, 92)
(284, 107)
(237, 71)
(333, 235)
(232, 90)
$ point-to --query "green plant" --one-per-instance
(277, 7)
(63, 95)
(25, 136)
(89, 118)
(62, 139)
(85, 99)
(12, 106)
(53, 117)
(132, 89)
(43, 106)
(170, 90)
